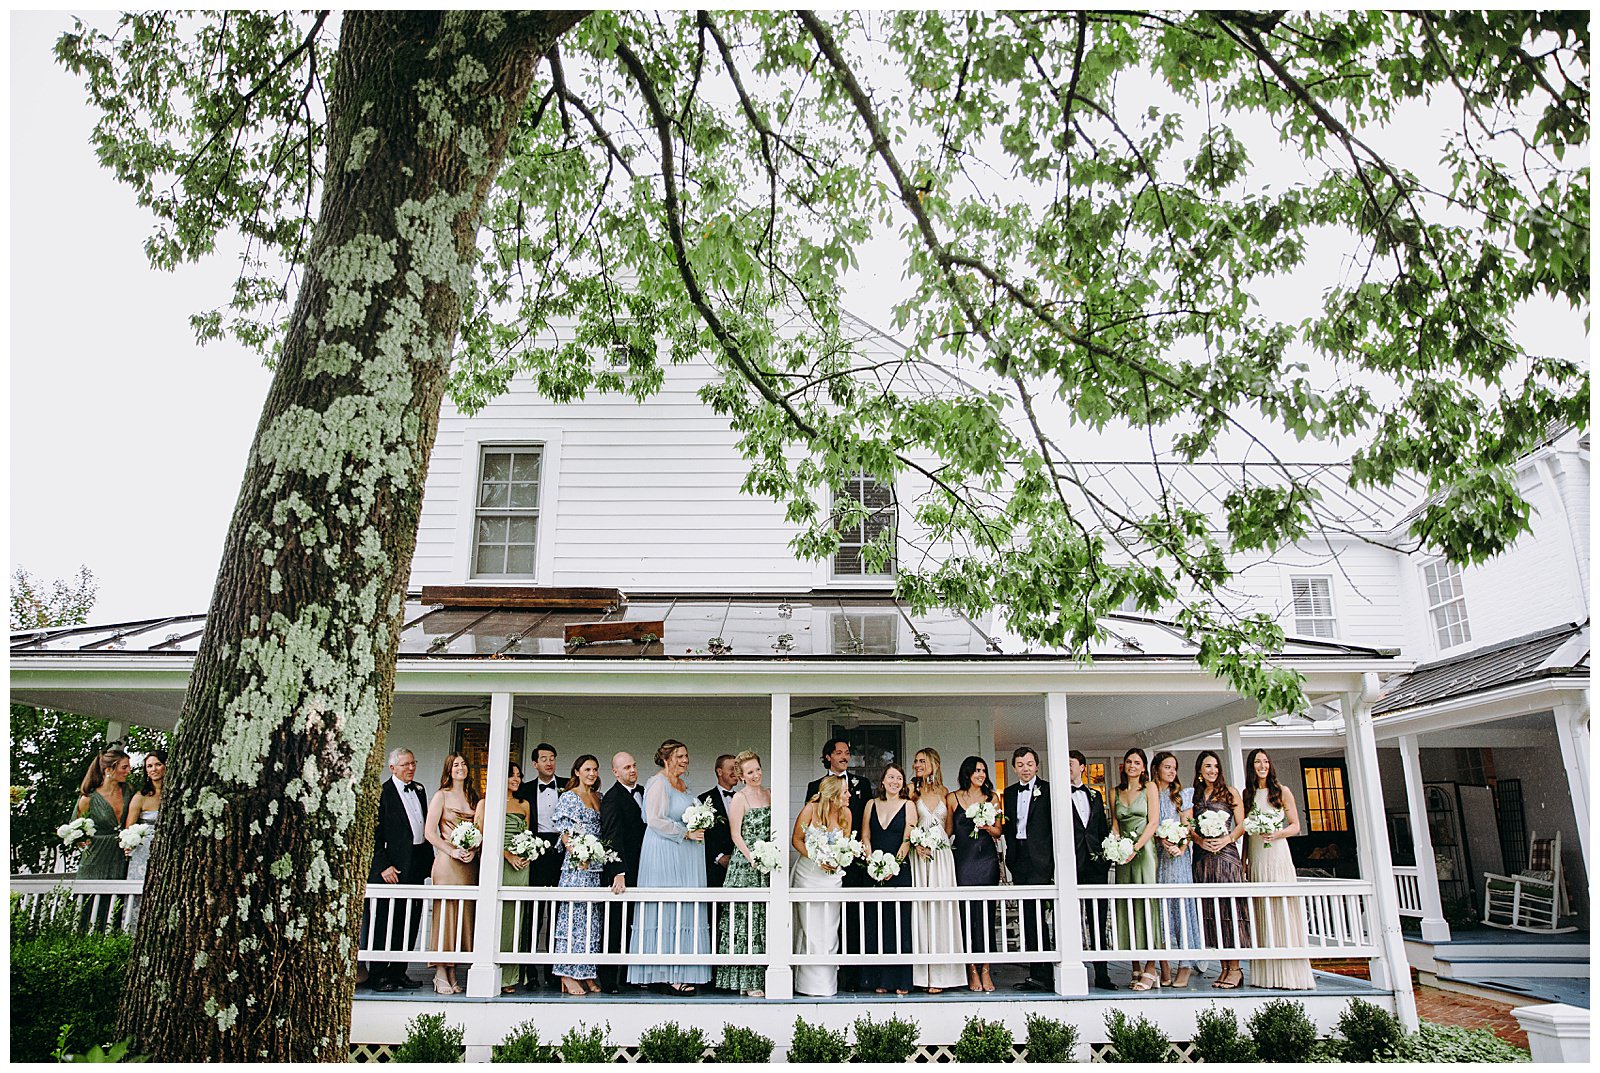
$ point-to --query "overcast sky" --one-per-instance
(127, 440)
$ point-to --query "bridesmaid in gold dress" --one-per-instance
(453, 803)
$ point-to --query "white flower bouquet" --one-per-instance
(1264, 821)
(768, 857)
(466, 835)
(587, 851)
(1117, 850)
(1173, 832)
(982, 814)
(135, 835)
(699, 816)
(882, 866)
(929, 838)
(76, 831)
(826, 847)
(527, 844)
(1212, 824)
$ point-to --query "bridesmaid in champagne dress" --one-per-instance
(1279, 921)
(453, 804)
(938, 925)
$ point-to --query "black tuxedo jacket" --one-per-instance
(545, 871)
(719, 839)
(1031, 859)
(1086, 839)
(622, 828)
(393, 846)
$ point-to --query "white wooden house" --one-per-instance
(539, 516)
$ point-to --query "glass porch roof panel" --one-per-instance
(176, 633)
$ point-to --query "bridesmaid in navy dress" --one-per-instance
(887, 929)
(977, 862)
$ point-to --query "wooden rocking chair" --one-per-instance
(1533, 899)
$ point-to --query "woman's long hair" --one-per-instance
(833, 807)
(1175, 791)
(1144, 776)
(573, 782)
(964, 778)
(469, 785)
(1204, 791)
(95, 777)
(905, 783)
(935, 777)
(1274, 790)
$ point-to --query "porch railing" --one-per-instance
(1408, 889)
(424, 924)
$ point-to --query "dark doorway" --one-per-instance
(872, 747)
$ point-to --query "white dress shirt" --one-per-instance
(1080, 802)
(545, 807)
(1024, 800)
(413, 810)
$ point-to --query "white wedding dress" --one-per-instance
(937, 921)
(816, 929)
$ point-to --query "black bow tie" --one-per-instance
(637, 790)
(543, 786)
(728, 793)
(1080, 789)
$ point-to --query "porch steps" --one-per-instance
(1453, 964)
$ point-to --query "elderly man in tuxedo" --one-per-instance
(1030, 857)
(400, 854)
(1090, 828)
(622, 828)
(836, 758)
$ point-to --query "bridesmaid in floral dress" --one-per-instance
(743, 928)
(1216, 860)
(579, 925)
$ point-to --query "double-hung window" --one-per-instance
(506, 521)
(1313, 606)
(878, 502)
(1447, 603)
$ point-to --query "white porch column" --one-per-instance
(1391, 969)
(114, 730)
(483, 978)
(1233, 756)
(780, 911)
(1071, 976)
(1572, 731)
(1434, 928)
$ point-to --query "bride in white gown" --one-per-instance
(936, 923)
(816, 924)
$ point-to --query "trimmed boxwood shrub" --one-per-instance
(1282, 1032)
(586, 1044)
(1217, 1038)
(429, 1039)
(671, 1043)
(893, 1040)
(61, 978)
(1136, 1041)
(1368, 1031)
(522, 1045)
(740, 1044)
(817, 1044)
(1050, 1040)
(983, 1041)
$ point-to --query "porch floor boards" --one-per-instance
(1004, 976)
(1481, 935)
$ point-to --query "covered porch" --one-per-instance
(1145, 689)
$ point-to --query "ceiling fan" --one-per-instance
(850, 714)
(482, 708)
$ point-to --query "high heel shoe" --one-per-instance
(1230, 979)
(988, 984)
(1182, 979)
(973, 983)
(443, 986)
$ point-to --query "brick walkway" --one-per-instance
(1447, 1007)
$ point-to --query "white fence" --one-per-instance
(425, 924)
(1408, 889)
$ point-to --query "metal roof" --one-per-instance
(696, 626)
(1554, 653)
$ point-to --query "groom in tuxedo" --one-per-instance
(622, 828)
(1089, 828)
(1030, 857)
(836, 758)
(719, 840)
(400, 854)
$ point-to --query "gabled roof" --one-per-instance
(1553, 653)
(812, 625)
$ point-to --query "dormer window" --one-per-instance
(506, 522)
(878, 501)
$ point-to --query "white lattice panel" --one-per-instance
(371, 1052)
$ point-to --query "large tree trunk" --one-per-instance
(246, 949)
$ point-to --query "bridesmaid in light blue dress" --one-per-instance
(672, 856)
(1182, 916)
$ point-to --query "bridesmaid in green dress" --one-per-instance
(750, 816)
(513, 872)
(1137, 922)
(104, 800)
